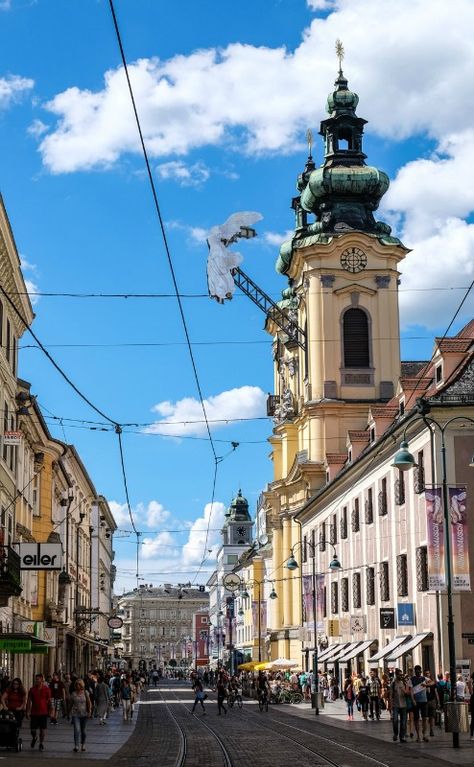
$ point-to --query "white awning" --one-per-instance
(332, 650)
(381, 654)
(342, 651)
(353, 652)
(403, 649)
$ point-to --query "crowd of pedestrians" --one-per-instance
(69, 698)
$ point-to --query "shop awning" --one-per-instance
(342, 651)
(353, 652)
(22, 643)
(381, 654)
(408, 646)
(330, 651)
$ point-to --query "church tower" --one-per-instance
(342, 268)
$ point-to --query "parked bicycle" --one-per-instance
(288, 696)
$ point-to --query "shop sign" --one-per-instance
(387, 617)
(358, 624)
(40, 556)
(406, 614)
(12, 438)
(115, 622)
(15, 645)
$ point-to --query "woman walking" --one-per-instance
(349, 697)
(81, 709)
(14, 699)
(102, 699)
(199, 696)
(221, 696)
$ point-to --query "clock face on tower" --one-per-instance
(241, 531)
(353, 260)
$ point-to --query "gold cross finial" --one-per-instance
(309, 139)
(339, 53)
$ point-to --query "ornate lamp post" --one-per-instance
(334, 565)
(405, 461)
(245, 595)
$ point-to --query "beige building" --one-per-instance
(341, 401)
(157, 629)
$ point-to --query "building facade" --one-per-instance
(158, 625)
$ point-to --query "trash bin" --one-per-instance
(456, 717)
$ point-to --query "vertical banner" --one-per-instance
(263, 619)
(308, 599)
(320, 602)
(459, 538)
(435, 538)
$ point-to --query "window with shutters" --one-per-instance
(384, 582)
(356, 591)
(345, 595)
(344, 522)
(333, 530)
(322, 537)
(370, 585)
(399, 489)
(334, 597)
(383, 500)
(355, 518)
(402, 575)
(356, 339)
(422, 568)
(419, 475)
(369, 507)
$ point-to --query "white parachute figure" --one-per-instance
(221, 261)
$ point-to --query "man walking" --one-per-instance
(421, 703)
(398, 691)
(375, 688)
(38, 707)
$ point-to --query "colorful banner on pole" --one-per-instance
(308, 599)
(435, 538)
(308, 612)
(263, 619)
(459, 538)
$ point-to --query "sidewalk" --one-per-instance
(102, 740)
(439, 747)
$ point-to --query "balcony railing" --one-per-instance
(10, 583)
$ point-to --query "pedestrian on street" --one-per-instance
(375, 688)
(221, 696)
(102, 699)
(421, 704)
(38, 707)
(126, 694)
(363, 697)
(349, 696)
(14, 699)
(58, 697)
(81, 710)
(398, 693)
(432, 700)
(471, 706)
(199, 696)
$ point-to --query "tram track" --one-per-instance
(319, 757)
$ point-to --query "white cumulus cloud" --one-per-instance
(199, 546)
(185, 417)
(12, 88)
(256, 99)
(186, 175)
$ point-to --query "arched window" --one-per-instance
(356, 339)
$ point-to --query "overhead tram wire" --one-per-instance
(70, 382)
(171, 266)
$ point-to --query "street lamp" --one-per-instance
(404, 461)
(245, 595)
(334, 565)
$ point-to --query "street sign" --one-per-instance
(232, 581)
(114, 622)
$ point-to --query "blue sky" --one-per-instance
(226, 92)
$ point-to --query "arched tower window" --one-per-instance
(356, 339)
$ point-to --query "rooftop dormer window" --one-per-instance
(439, 374)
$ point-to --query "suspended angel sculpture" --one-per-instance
(221, 262)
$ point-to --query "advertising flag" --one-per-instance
(435, 538)
(459, 538)
(263, 619)
(308, 616)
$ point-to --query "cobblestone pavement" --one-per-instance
(245, 738)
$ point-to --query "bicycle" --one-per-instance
(235, 696)
(289, 696)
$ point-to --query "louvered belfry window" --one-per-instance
(356, 339)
